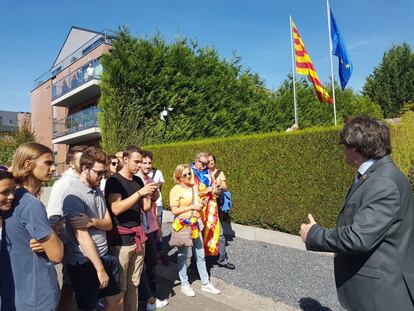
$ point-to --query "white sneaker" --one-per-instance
(158, 304)
(209, 288)
(187, 290)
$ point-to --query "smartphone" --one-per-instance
(157, 184)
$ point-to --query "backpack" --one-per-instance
(224, 200)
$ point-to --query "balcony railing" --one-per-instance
(76, 122)
(81, 75)
(105, 36)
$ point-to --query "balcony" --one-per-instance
(104, 37)
(79, 86)
(77, 128)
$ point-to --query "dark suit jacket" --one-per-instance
(373, 242)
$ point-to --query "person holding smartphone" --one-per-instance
(126, 197)
(149, 220)
(187, 206)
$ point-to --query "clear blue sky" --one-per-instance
(34, 31)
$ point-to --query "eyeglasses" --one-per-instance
(203, 164)
(114, 163)
(186, 175)
(99, 173)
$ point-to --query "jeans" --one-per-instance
(151, 259)
(222, 247)
(200, 261)
(160, 245)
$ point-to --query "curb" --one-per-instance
(254, 234)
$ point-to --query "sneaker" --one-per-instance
(158, 304)
(209, 288)
(187, 290)
(227, 265)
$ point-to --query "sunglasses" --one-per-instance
(99, 173)
(186, 175)
(114, 163)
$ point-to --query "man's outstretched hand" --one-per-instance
(304, 228)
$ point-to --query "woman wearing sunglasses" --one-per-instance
(185, 205)
(113, 168)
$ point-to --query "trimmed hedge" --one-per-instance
(276, 179)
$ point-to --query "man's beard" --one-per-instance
(91, 183)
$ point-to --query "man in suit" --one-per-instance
(374, 236)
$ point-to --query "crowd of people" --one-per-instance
(103, 223)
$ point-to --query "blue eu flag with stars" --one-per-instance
(339, 49)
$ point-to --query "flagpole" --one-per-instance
(331, 58)
(293, 72)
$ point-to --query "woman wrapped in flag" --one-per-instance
(207, 191)
(187, 206)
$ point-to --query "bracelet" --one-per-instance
(139, 194)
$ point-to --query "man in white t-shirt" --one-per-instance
(54, 209)
(90, 71)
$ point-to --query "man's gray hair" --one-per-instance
(201, 154)
(371, 137)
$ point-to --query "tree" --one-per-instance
(211, 97)
(392, 83)
(311, 112)
(10, 142)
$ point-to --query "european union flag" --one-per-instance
(339, 49)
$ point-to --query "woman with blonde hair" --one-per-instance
(28, 279)
(186, 206)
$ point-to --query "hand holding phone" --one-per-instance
(157, 184)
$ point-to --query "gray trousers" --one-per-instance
(222, 247)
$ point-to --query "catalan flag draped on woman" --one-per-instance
(211, 231)
(304, 66)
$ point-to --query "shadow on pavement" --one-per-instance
(310, 304)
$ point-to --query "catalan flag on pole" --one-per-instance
(304, 66)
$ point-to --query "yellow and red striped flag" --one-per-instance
(304, 66)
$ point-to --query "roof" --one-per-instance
(74, 40)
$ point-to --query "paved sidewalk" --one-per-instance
(231, 297)
(288, 276)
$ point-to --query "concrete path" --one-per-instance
(231, 297)
(286, 276)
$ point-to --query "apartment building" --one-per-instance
(10, 121)
(64, 99)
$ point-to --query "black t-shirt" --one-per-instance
(130, 218)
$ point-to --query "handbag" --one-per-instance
(182, 237)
